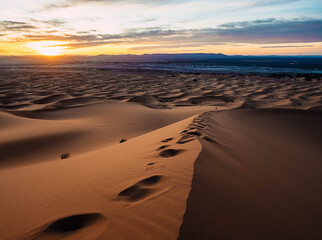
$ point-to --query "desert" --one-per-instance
(91, 154)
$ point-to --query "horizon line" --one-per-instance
(143, 54)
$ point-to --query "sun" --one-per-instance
(48, 48)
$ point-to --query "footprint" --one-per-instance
(73, 225)
(201, 125)
(64, 155)
(167, 140)
(170, 152)
(185, 139)
(134, 193)
(162, 147)
(151, 180)
(139, 190)
(194, 133)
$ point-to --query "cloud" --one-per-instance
(288, 46)
(262, 31)
(244, 24)
(275, 31)
(166, 46)
(72, 3)
(265, 3)
(15, 26)
(32, 26)
(52, 22)
(18, 31)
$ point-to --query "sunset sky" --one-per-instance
(91, 27)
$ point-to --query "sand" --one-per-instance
(115, 155)
(260, 171)
(26, 89)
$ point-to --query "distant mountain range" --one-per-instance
(159, 57)
(114, 58)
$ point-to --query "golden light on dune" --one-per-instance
(48, 48)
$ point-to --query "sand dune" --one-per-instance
(109, 155)
(148, 101)
(131, 185)
(51, 98)
(38, 136)
(49, 88)
(78, 101)
(258, 176)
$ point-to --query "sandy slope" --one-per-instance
(258, 176)
(41, 136)
(132, 190)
